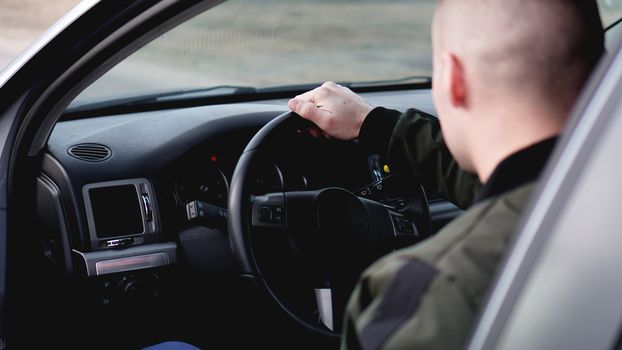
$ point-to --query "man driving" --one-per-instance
(506, 73)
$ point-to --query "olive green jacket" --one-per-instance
(427, 296)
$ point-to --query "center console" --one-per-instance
(123, 225)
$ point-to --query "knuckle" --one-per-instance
(322, 93)
(330, 85)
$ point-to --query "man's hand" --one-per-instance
(335, 109)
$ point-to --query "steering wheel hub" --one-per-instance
(340, 214)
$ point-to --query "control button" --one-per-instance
(201, 208)
(265, 215)
(119, 242)
(191, 210)
(277, 214)
(147, 207)
(271, 214)
(211, 215)
(403, 226)
(370, 191)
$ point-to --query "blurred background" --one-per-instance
(22, 21)
(259, 43)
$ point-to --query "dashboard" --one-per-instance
(116, 191)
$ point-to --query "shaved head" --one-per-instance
(541, 48)
(507, 72)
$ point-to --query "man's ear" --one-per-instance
(455, 80)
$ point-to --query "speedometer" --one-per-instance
(208, 185)
(267, 178)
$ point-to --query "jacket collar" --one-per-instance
(518, 169)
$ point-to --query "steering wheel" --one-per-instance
(306, 249)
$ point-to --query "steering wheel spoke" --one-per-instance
(324, 302)
(268, 211)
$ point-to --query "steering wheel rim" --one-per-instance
(239, 192)
(241, 210)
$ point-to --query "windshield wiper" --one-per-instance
(235, 93)
(361, 85)
(404, 80)
(209, 91)
(166, 96)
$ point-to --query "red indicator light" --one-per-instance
(213, 158)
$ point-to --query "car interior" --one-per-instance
(154, 164)
(129, 231)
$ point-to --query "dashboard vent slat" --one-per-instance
(90, 152)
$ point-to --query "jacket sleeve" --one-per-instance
(414, 147)
(427, 296)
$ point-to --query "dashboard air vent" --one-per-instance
(90, 152)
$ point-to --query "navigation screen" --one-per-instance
(116, 211)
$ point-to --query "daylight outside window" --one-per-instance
(257, 44)
(271, 43)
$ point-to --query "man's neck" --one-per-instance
(504, 137)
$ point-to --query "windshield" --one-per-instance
(271, 43)
(259, 44)
(610, 11)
